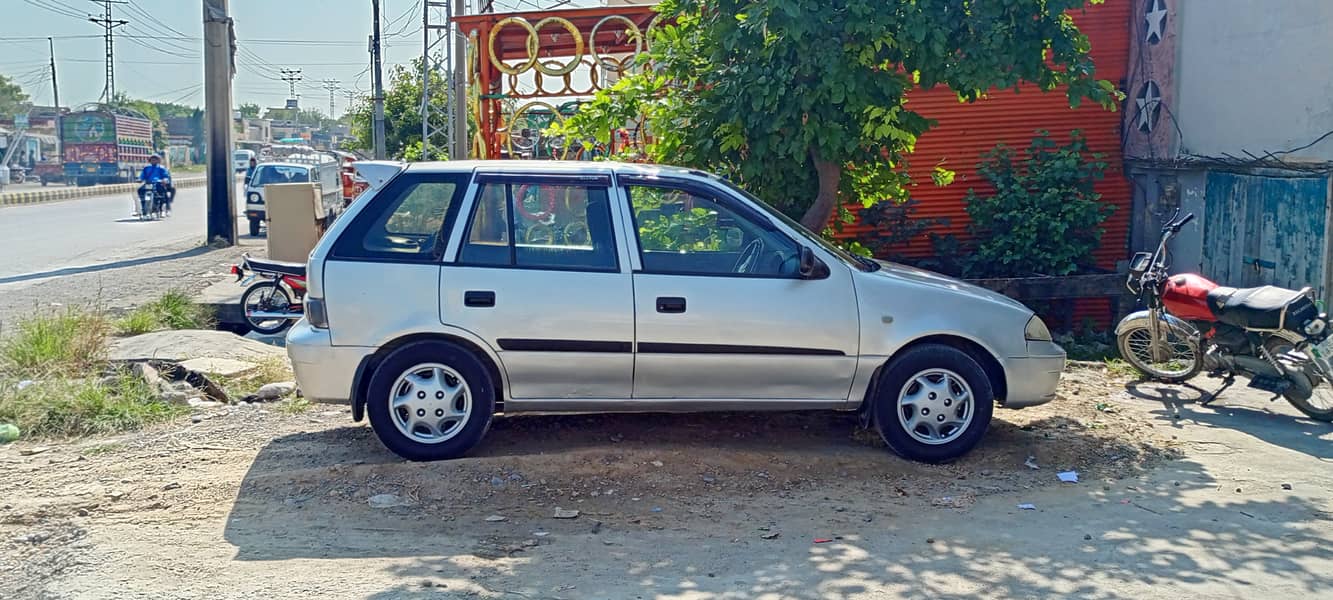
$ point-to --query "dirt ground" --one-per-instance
(1174, 500)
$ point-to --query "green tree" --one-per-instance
(402, 115)
(249, 110)
(1043, 216)
(804, 101)
(12, 98)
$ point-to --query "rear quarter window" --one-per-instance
(408, 220)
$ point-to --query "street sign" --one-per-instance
(21, 121)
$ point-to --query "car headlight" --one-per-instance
(1036, 330)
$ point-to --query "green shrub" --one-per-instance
(1044, 217)
(72, 341)
(73, 407)
(174, 310)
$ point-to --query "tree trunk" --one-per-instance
(819, 214)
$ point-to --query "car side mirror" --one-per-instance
(810, 265)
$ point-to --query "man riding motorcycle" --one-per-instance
(155, 174)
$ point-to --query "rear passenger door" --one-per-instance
(539, 276)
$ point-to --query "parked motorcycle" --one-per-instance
(1277, 338)
(274, 303)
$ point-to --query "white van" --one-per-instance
(240, 159)
(296, 168)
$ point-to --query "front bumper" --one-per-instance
(325, 372)
(1032, 379)
(256, 214)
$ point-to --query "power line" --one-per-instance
(332, 86)
(291, 76)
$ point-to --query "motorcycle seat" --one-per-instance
(275, 266)
(1252, 308)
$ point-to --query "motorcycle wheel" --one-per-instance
(1182, 358)
(270, 297)
(1319, 406)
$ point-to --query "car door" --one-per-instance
(538, 275)
(720, 310)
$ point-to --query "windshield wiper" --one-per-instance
(870, 265)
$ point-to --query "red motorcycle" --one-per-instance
(1278, 338)
(274, 303)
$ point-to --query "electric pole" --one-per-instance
(109, 25)
(457, 91)
(292, 77)
(332, 86)
(55, 91)
(378, 77)
(219, 68)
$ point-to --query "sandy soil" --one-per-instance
(258, 503)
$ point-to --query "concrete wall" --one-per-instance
(1254, 75)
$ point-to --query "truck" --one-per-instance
(104, 146)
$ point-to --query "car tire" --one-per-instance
(456, 396)
(254, 227)
(933, 403)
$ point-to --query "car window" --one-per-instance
(276, 174)
(551, 225)
(405, 221)
(682, 232)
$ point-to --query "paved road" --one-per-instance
(57, 238)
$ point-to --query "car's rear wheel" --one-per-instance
(933, 403)
(254, 227)
(431, 400)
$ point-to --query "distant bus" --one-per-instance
(240, 159)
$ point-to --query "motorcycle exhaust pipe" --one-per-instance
(263, 314)
(1241, 364)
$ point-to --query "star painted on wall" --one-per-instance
(1149, 101)
(1155, 15)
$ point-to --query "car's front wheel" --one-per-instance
(431, 400)
(933, 403)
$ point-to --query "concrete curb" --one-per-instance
(67, 193)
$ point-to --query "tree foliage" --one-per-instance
(249, 110)
(1043, 217)
(804, 101)
(12, 98)
(402, 115)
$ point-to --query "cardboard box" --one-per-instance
(293, 220)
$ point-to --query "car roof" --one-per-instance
(278, 163)
(550, 166)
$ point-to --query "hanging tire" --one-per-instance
(266, 296)
(933, 403)
(1177, 360)
(431, 400)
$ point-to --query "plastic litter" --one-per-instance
(1068, 476)
(1031, 463)
(1027, 506)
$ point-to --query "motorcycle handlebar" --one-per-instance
(1189, 217)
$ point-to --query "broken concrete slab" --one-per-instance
(224, 367)
(189, 344)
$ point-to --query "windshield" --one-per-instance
(851, 260)
(274, 174)
(241, 155)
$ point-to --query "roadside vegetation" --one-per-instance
(55, 380)
(174, 310)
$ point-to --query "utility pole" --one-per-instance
(332, 86)
(109, 24)
(219, 67)
(55, 91)
(292, 77)
(378, 77)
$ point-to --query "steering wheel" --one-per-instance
(749, 257)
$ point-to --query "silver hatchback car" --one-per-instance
(451, 292)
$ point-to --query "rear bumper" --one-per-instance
(325, 372)
(1032, 379)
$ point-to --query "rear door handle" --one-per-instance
(670, 304)
(479, 299)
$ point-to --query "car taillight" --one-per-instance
(316, 313)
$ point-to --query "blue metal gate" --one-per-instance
(1261, 230)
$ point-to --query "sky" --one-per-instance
(159, 53)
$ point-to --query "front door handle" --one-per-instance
(479, 299)
(670, 304)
